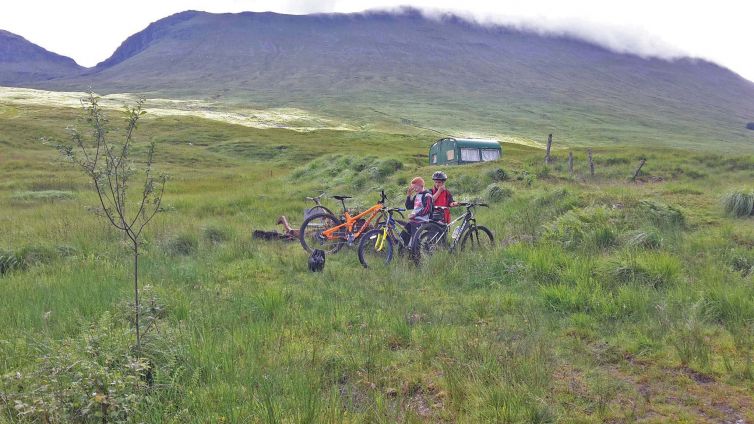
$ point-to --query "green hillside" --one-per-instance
(405, 71)
(604, 300)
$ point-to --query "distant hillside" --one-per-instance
(406, 71)
(22, 62)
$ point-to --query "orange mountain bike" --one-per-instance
(326, 232)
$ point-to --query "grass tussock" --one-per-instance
(184, 244)
(587, 227)
(9, 261)
(216, 234)
(739, 203)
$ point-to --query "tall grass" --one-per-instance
(590, 291)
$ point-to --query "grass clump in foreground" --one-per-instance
(95, 376)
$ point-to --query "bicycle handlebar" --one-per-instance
(471, 204)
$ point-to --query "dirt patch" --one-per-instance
(638, 390)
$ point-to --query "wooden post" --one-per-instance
(549, 145)
(591, 163)
(570, 163)
(636, 174)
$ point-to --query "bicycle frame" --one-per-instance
(388, 230)
(466, 217)
(333, 233)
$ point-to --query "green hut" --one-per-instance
(458, 151)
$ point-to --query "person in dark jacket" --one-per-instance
(419, 202)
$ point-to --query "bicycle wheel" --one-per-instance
(427, 239)
(315, 210)
(375, 249)
(477, 238)
(311, 237)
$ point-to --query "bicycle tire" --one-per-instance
(479, 237)
(317, 209)
(427, 239)
(367, 244)
(313, 226)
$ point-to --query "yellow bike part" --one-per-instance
(379, 244)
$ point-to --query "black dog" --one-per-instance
(317, 261)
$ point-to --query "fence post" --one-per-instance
(591, 163)
(570, 163)
(636, 174)
(549, 145)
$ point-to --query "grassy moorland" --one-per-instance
(604, 299)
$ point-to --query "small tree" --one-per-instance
(110, 167)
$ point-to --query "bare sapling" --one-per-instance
(110, 166)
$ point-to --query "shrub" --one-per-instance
(496, 193)
(498, 175)
(739, 203)
(93, 377)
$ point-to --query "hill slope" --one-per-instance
(404, 69)
(22, 62)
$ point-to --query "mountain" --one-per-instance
(22, 62)
(405, 70)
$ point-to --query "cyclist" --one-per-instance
(419, 202)
(441, 196)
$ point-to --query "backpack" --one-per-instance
(428, 204)
(317, 261)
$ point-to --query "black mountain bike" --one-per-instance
(434, 235)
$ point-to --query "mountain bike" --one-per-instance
(433, 235)
(377, 246)
(329, 233)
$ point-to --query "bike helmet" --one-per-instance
(439, 175)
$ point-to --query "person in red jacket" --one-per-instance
(441, 196)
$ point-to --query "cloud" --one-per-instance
(630, 39)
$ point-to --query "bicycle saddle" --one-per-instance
(341, 197)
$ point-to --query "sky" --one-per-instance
(722, 31)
